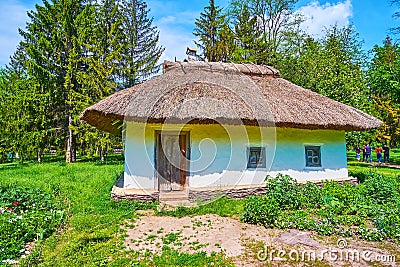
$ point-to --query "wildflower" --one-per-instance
(1, 210)
(15, 203)
(10, 209)
(9, 261)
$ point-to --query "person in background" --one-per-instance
(358, 150)
(368, 156)
(378, 152)
(363, 152)
(386, 154)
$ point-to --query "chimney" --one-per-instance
(192, 54)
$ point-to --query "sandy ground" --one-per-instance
(251, 245)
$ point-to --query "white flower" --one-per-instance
(10, 261)
(2, 210)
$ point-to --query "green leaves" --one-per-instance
(26, 214)
(73, 54)
(208, 29)
(383, 81)
(345, 210)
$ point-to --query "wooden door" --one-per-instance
(171, 161)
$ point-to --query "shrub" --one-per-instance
(285, 190)
(311, 195)
(261, 210)
(26, 215)
(381, 189)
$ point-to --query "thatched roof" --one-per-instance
(210, 92)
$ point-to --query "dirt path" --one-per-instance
(251, 245)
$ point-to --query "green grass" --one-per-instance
(92, 233)
(356, 167)
(394, 156)
(223, 206)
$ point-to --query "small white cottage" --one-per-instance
(206, 127)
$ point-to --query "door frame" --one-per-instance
(157, 133)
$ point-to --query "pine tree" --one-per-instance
(54, 50)
(140, 52)
(276, 21)
(248, 39)
(208, 29)
(73, 53)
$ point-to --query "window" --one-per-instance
(256, 157)
(313, 156)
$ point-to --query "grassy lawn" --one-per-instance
(91, 234)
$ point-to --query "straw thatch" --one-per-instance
(210, 92)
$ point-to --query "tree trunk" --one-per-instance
(102, 157)
(70, 154)
(39, 156)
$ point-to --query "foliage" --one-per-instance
(248, 39)
(284, 190)
(384, 83)
(93, 234)
(26, 215)
(346, 210)
(261, 210)
(72, 54)
(332, 66)
(140, 50)
(277, 22)
(208, 29)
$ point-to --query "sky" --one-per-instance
(175, 21)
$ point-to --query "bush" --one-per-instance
(285, 190)
(381, 189)
(345, 210)
(311, 195)
(261, 210)
(26, 215)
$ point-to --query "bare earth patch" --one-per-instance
(251, 245)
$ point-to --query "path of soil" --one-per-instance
(242, 242)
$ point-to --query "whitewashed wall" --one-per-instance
(218, 154)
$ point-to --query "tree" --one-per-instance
(73, 53)
(25, 128)
(384, 83)
(396, 15)
(248, 39)
(98, 74)
(332, 66)
(140, 52)
(208, 29)
(276, 20)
